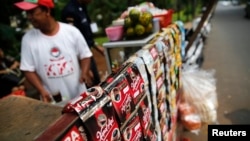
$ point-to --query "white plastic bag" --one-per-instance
(199, 89)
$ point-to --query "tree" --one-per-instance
(9, 37)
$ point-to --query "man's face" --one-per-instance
(37, 17)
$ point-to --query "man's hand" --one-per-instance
(87, 78)
(46, 97)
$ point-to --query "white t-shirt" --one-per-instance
(56, 59)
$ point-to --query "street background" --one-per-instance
(227, 50)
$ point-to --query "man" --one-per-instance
(54, 56)
(75, 13)
(10, 75)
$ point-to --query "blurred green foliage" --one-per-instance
(103, 12)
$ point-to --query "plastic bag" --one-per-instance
(199, 89)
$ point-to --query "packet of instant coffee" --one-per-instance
(138, 61)
(76, 132)
(101, 123)
(132, 129)
(118, 89)
(135, 79)
(85, 100)
(146, 121)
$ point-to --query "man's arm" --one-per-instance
(34, 79)
(14, 65)
(86, 75)
(4, 71)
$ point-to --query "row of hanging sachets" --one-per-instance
(160, 63)
(117, 109)
(139, 100)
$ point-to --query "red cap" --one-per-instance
(30, 4)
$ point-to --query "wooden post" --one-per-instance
(209, 10)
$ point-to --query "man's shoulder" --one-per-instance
(68, 27)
